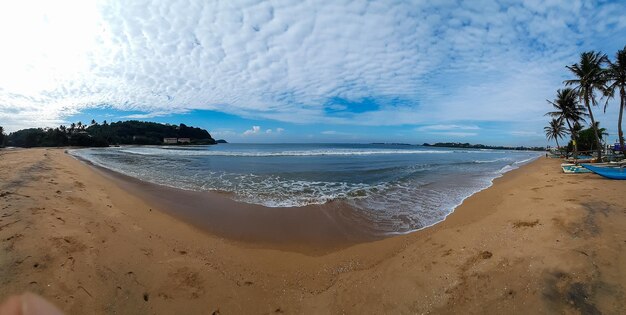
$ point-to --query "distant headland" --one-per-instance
(105, 134)
(481, 146)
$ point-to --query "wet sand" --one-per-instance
(309, 229)
(538, 241)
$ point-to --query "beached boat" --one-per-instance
(570, 168)
(579, 160)
(611, 172)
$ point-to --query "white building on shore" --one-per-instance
(176, 140)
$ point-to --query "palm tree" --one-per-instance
(568, 109)
(72, 127)
(79, 125)
(589, 79)
(93, 122)
(555, 130)
(601, 131)
(616, 75)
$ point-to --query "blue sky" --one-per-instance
(292, 71)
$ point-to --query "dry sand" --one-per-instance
(538, 241)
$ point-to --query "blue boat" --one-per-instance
(608, 172)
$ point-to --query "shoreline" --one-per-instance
(536, 240)
(337, 224)
(308, 229)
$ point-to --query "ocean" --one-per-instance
(402, 188)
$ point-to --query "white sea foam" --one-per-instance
(162, 152)
(526, 160)
(492, 161)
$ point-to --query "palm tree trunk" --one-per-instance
(557, 144)
(620, 133)
(595, 128)
(573, 134)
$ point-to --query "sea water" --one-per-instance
(400, 187)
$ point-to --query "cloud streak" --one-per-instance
(417, 61)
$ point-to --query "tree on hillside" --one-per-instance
(589, 79)
(555, 130)
(616, 76)
(567, 108)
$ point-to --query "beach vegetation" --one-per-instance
(567, 108)
(586, 137)
(2, 137)
(555, 130)
(616, 85)
(589, 79)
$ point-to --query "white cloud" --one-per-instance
(257, 130)
(254, 131)
(329, 132)
(148, 115)
(445, 60)
(276, 131)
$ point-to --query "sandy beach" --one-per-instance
(537, 241)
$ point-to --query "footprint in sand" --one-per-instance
(78, 184)
(78, 201)
(68, 244)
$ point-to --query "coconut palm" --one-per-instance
(589, 79)
(555, 130)
(616, 76)
(568, 109)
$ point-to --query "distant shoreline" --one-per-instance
(481, 146)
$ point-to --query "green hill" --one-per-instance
(122, 132)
